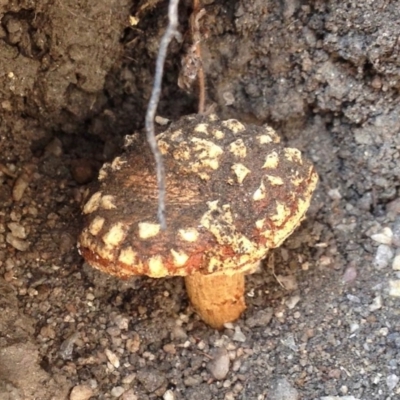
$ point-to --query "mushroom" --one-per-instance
(232, 192)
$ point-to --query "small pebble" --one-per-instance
(281, 389)
(392, 381)
(334, 194)
(54, 148)
(178, 333)
(128, 379)
(169, 395)
(376, 304)
(117, 391)
(18, 244)
(82, 171)
(350, 274)
(67, 346)
(396, 232)
(396, 263)
(383, 256)
(260, 318)
(354, 327)
(292, 301)
(20, 185)
(394, 288)
(17, 230)
(81, 392)
(383, 237)
(112, 357)
(238, 336)
(353, 299)
(129, 395)
(219, 366)
(161, 120)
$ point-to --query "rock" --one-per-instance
(18, 244)
(67, 346)
(281, 389)
(112, 358)
(392, 381)
(219, 366)
(396, 230)
(383, 237)
(393, 206)
(260, 318)
(117, 391)
(383, 256)
(178, 333)
(238, 336)
(350, 274)
(394, 288)
(54, 148)
(17, 230)
(169, 395)
(82, 171)
(354, 327)
(151, 379)
(291, 302)
(81, 392)
(396, 262)
(129, 395)
(376, 304)
(20, 185)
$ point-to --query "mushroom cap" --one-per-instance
(232, 192)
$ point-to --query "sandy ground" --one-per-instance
(323, 310)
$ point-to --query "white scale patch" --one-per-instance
(92, 204)
(148, 230)
(241, 171)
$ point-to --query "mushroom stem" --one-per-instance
(217, 298)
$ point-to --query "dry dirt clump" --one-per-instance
(322, 315)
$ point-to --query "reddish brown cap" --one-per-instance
(233, 192)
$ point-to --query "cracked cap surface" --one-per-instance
(233, 192)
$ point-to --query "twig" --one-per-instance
(169, 34)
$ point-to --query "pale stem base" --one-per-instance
(217, 298)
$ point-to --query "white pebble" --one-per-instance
(292, 301)
(20, 185)
(128, 379)
(117, 391)
(392, 381)
(81, 392)
(18, 244)
(17, 230)
(376, 304)
(354, 327)
(129, 395)
(334, 194)
(169, 395)
(238, 336)
(396, 263)
(112, 357)
(394, 288)
(385, 236)
(219, 366)
(384, 331)
(383, 256)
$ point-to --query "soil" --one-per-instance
(323, 310)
